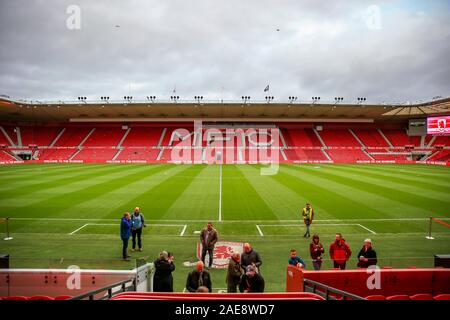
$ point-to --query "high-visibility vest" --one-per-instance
(307, 214)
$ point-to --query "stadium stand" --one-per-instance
(152, 142)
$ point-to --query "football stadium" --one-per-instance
(223, 180)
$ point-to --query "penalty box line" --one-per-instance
(183, 231)
(258, 226)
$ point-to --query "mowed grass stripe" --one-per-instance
(50, 204)
(441, 184)
(282, 201)
(156, 201)
(104, 206)
(425, 170)
(42, 174)
(240, 200)
(366, 195)
(328, 196)
(421, 198)
(33, 167)
(63, 180)
(200, 200)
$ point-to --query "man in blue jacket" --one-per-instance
(125, 234)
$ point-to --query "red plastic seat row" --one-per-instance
(215, 296)
(419, 296)
(37, 297)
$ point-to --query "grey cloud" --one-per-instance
(323, 48)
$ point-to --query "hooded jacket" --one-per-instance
(340, 252)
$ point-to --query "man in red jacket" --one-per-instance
(340, 252)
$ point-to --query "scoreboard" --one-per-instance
(438, 125)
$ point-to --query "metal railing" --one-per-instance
(124, 285)
(328, 292)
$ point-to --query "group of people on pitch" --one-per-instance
(131, 226)
(243, 272)
(340, 251)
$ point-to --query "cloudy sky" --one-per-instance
(392, 50)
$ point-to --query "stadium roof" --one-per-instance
(154, 110)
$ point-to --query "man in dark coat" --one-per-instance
(367, 256)
(234, 273)
(125, 234)
(208, 239)
(198, 278)
(162, 279)
(251, 281)
(250, 257)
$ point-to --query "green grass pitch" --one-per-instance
(69, 214)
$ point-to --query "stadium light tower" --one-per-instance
(361, 100)
(292, 99)
(315, 99)
(151, 98)
(338, 99)
(82, 99)
(175, 98)
(269, 98)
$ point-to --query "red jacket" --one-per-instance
(340, 252)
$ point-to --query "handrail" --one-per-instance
(314, 285)
(108, 289)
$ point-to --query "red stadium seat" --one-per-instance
(63, 297)
(398, 297)
(421, 296)
(445, 296)
(41, 298)
(15, 298)
(376, 297)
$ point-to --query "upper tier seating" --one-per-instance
(399, 138)
(40, 136)
(72, 136)
(142, 137)
(339, 138)
(371, 138)
(301, 138)
(105, 137)
(11, 132)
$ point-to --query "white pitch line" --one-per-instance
(371, 231)
(320, 224)
(233, 221)
(259, 230)
(183, 231)
(220, 194)
(73, 232)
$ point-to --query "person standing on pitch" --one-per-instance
(250, 257)
(199, 277)
(367, 256)
(162, 279)
(136, 230)
(340, 252)
(234, 273)
(125, 233)
(316, 250)
(308, 216)
(208, 239)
